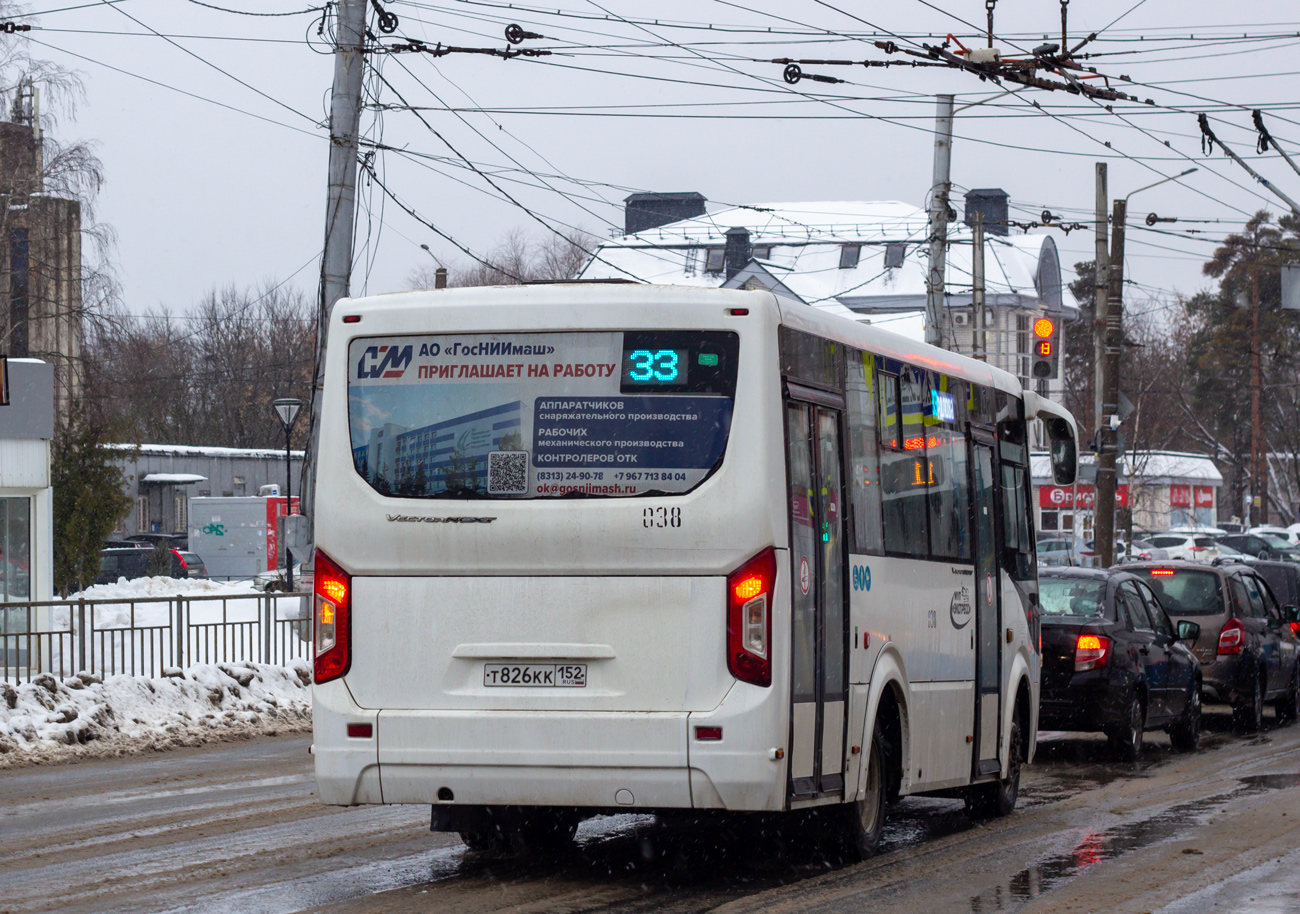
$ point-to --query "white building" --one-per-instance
(26, 508)
(866, 260)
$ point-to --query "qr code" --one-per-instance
(507, 472)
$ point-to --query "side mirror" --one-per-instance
(1188, 631)
(1291, 613)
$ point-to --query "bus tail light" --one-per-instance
(749, 619)
(1231, 637)
(1091, 652)
(332, 626)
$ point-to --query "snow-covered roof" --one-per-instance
(185, 450)
(799, 244)
(1152, 467)
(173, 478)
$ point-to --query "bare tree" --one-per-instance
(516, 260)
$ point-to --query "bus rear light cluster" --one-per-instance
(1091, 652)
(1231, 637)
(332, 621)
(749, 619)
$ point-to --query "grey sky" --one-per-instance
(203, 196)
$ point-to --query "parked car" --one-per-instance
(1247, 648)
(1190, 547)
(1262, 545)
(1286, 533)
(171, 540)
(1057, 551)
(1283, 578)
(1114, 662)
(132, 563)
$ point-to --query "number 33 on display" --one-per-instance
(657, 366)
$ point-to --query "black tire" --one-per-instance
(998, 799)
(1186, 734)
(1126, 739)
(1287, 707)
(866, 817)
(1248, 714)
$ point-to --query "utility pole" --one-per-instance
(1100, 293)
(1258, 452)
(340, 206)
(979, 341)
(940, 187)
(1108, 458)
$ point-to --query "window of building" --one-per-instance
(1049, 520)
(762, 252)
(895, 252)
(849, 254)
(15, 551)
(715, 260)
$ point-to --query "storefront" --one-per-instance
(1161, 489)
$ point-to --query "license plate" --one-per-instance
(536, 675)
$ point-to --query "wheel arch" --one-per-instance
(887, 695)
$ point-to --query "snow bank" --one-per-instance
(50, 719)
(151, 606)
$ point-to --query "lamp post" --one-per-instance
(1112, 335)
(287, 408)
(440, 274)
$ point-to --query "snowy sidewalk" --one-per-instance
(50, 719)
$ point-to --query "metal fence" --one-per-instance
(146, 635)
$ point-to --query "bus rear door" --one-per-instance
(817, 556)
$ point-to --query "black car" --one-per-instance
(132, 563)
(1247, 647)
(1114, 662)
(1261, 545)
(179, 541)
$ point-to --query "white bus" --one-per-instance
(585, 549)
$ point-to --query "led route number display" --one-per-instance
(655, 366)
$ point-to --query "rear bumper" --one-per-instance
(1085, 706)
(596, 760)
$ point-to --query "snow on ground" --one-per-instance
(51, 720)
(149, 598)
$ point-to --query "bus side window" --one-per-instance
(904, 469)
(887, 388)
(864, 483)
(1016, 538)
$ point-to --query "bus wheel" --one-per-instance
(867, 816)
(990, 801)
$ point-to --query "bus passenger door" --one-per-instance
(818, 643)
(988, 646)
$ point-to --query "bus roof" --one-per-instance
(798, 316)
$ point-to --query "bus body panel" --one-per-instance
(435, 637)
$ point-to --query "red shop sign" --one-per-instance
(1204, 496)
(1062, 497)
(1180, 496)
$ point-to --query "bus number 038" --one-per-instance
(661, 517)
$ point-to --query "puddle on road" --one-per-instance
(1108, 844)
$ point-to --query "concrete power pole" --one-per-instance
(340, 206)
(1108, 459)
(939, 191)
(979, 341)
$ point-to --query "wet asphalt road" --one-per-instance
(237, 829)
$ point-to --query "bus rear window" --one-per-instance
(540, 414)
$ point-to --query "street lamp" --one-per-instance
(287, 408)
(440, 274)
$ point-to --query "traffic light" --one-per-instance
(1045, 360)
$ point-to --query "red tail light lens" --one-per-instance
(749, 619)
(1231, 637)
(180, 558)
(1091, 652)
(332, 623)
